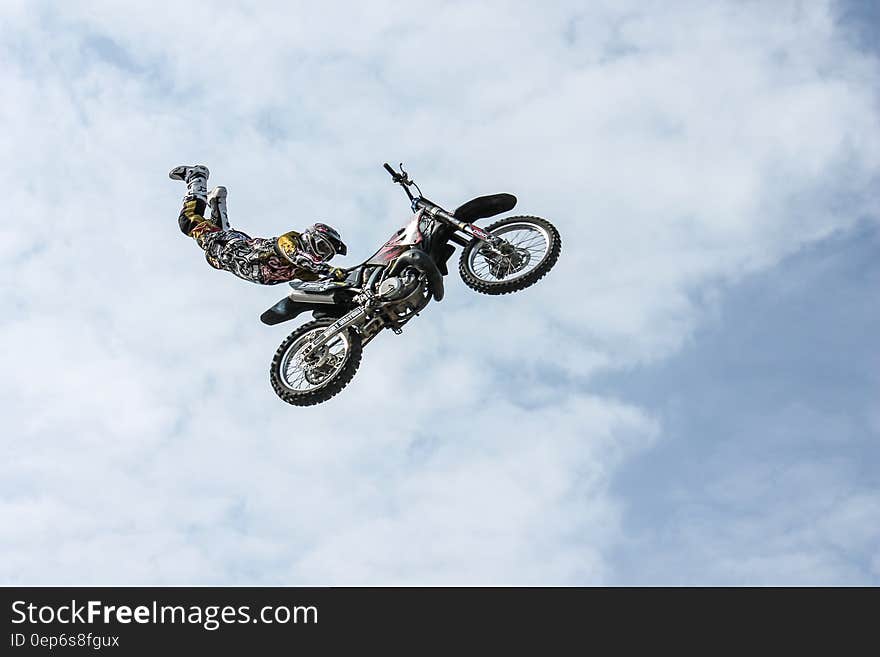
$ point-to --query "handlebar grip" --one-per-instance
(393, 173)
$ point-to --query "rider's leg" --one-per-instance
(217, 202)
(231, 250)
(192, 214)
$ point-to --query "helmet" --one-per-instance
(322, 242)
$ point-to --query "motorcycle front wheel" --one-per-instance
(532, 248)
(305, 379)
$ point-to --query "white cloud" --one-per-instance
(675, 147)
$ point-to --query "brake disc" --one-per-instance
(503, 265)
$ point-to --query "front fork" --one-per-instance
(342, 324)
(501, 255)
(472, 230)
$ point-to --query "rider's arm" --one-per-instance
(319, 268)
(302, 261)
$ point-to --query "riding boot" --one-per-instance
(196, 199)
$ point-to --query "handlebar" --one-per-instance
(402, 179)
(419, 202)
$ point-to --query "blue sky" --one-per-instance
(689, 398)
(779, 390)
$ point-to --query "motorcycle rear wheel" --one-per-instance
(318, 377)
(537, 244)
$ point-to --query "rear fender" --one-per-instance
(288, 309)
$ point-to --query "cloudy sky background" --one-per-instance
(690, 397)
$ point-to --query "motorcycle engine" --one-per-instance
(396, 288)
(391, 288)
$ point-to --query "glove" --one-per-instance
(336, 274)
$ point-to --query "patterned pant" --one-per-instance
(252, 258)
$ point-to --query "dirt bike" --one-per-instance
(319, 358)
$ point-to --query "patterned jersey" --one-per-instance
(254, 259)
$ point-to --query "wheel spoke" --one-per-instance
(531, 242)
(299, 375)
(528, 240)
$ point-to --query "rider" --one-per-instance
(267, 261)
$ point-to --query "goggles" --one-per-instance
(318, 245)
